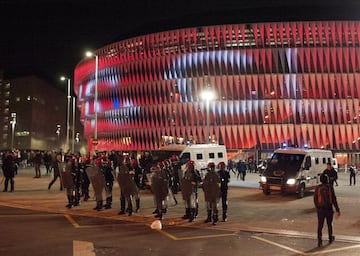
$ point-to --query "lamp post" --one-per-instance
(13, 123)
(95, 141)
(68, 111)
(207, 95)
(73, 126)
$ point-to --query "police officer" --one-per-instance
(128, 188)
(224, 180)
(175, 169)
(211, 187)
(324, 203)
(85, 182)
(68, 180)
(189, 189)
(160, 189)
(106, 167)
(98, 182)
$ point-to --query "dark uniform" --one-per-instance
(331, 173)
(8, 168)
(128, 188)
(175, 169)
(224, 180)
(84, 178)
(68, 174)
(352, 175)
(160, 189)
(189, 189)
(106, 167)
(97, 180)
(324, 203)
(211, 186)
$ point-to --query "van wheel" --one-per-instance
(266, 191)
(301, 191)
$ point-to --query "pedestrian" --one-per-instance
(241, 170)
(224, 180)
(324, 200)
(47, 161)
(352, 172)
(84, 178)
(56, 167)
(211, 187)
(37, 163)
(331, 173)
(8, 168)
(68, 180)
(109, 180)
(189, 189)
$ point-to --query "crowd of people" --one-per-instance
(165, 179)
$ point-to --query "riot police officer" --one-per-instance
(84, 179)
(160, 189)
(175, 168)
(106, 167)
(211, 186)
(189, 189)
(128, 188)
(224, 180)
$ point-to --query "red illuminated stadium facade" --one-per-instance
(292, 82)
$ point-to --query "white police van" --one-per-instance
(294, 170)
(202, 154)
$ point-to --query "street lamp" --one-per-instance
(58, 131)
(90, 54)
(13, 123)
(68, 111)
(207, 95)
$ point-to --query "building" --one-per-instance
(32, 114)
(283, 82)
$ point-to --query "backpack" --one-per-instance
(324, 196)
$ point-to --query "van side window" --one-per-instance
(316, 160)
(324, 160)
(220, 155)
(211, 155)
(199, 156)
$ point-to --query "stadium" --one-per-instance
(294, 83)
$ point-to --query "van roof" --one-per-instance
(205, 145)
(304, 151)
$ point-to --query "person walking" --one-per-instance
(8, 168)
(56, 167)
(352, 172)
(324, 200)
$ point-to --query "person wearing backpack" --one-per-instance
(324, 200)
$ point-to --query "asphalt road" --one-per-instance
(34, 221)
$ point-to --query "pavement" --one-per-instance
(249, 209)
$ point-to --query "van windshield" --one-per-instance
(284, 164)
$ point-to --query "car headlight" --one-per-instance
(263, 179)
(291, 181)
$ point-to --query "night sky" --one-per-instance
(49, 37)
